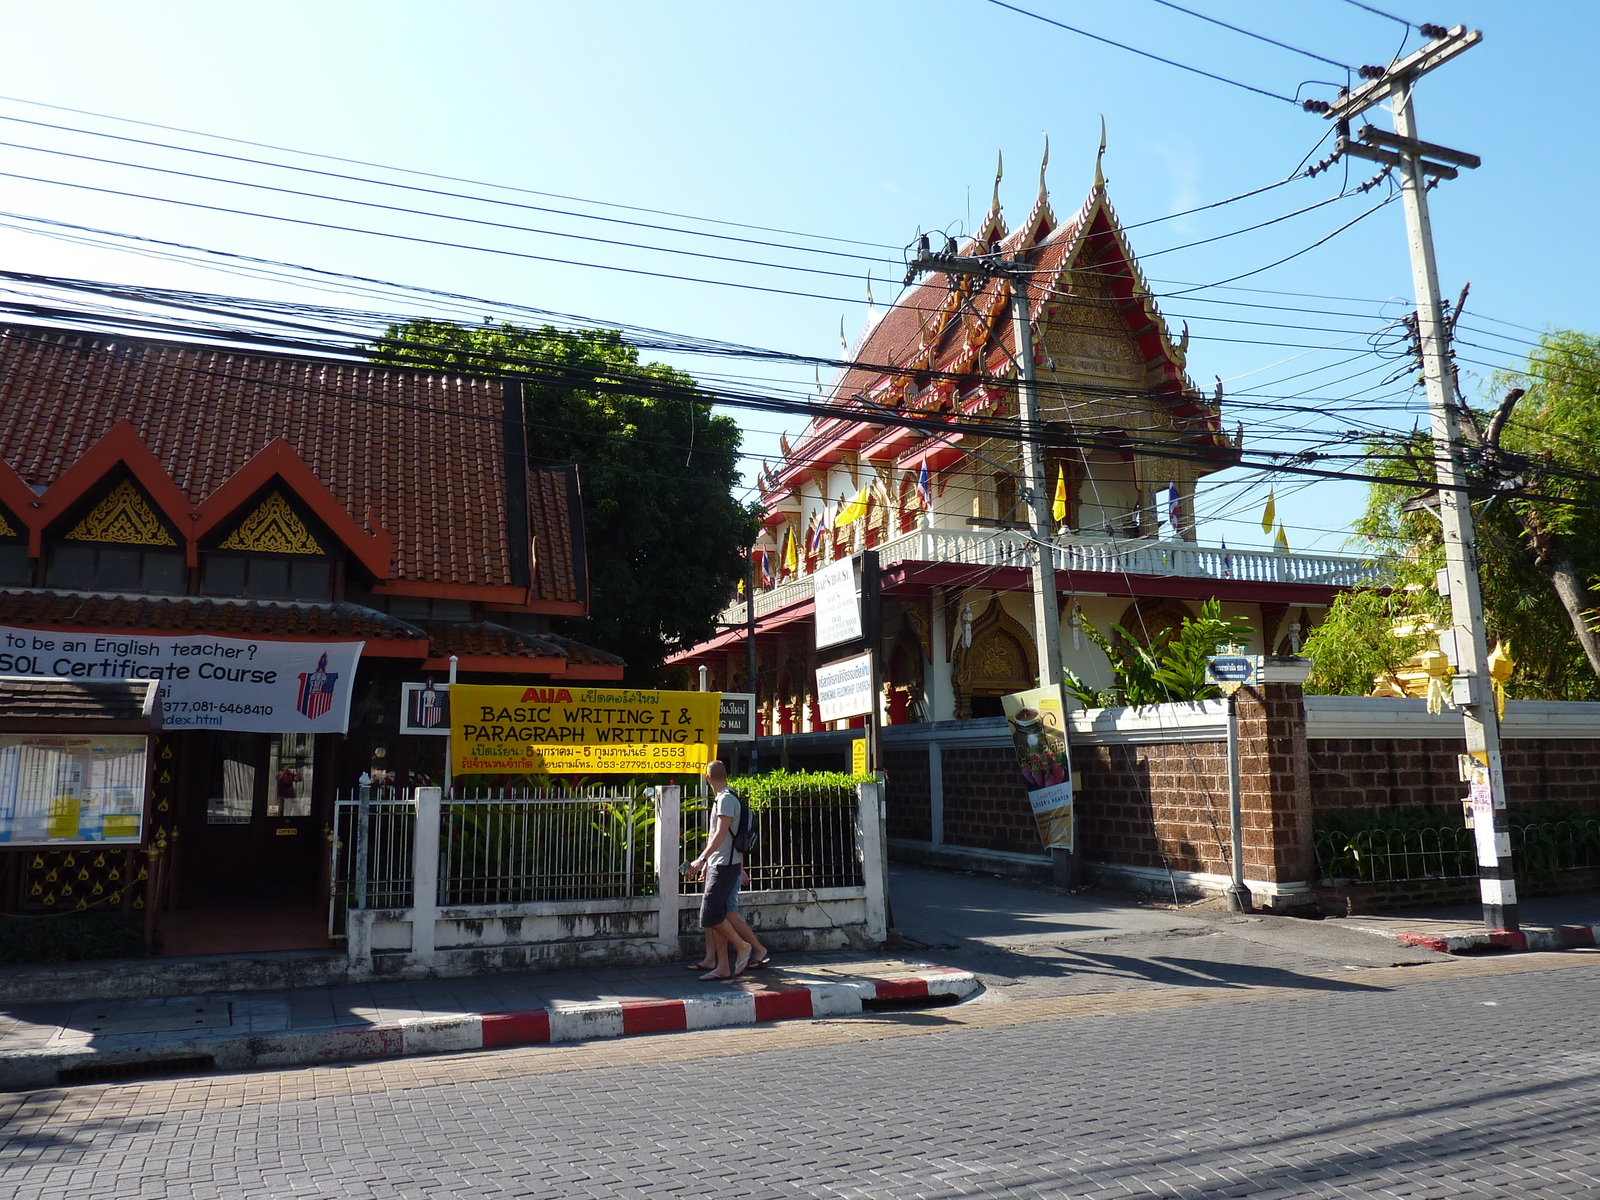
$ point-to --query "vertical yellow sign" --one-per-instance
(858, 756)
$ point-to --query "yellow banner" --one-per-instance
(560, 731)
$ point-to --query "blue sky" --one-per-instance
(862, 122)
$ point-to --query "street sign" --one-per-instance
(844, 688)
(1230, 672)
(836, 601)
(737, 721)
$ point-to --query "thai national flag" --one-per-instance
(316, 691)
(924, 490)
(765, 573)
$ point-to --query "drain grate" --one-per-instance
(147, 1068)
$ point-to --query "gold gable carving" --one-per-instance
(274, 528)
(125, 517)
(5, 528)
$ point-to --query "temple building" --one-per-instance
(282, 542)
(942, 510)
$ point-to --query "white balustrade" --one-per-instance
(1112, 556)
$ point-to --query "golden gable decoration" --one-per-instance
(274, 528)
(125, 517)
(5, 527)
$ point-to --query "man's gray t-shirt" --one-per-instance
(725, 805)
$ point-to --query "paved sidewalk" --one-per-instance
(313, 1025)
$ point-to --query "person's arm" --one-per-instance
(722, 827)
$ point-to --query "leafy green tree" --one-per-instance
(665, 534)
(1173, 667)
(1535, 450)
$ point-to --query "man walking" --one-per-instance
(722, 865)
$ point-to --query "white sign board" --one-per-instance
(837, 603)
(70, 789)
(737, 720)
(844, 688)
(425, 709)
(206, 682)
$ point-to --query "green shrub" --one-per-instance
(809, 786)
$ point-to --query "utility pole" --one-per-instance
(1418, 161)
(1035, 484)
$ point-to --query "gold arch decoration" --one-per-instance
(1000, 660)
(124, 517)
(274, 528)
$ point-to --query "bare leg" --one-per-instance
(726, 937)
(759, 951)
(708, 960)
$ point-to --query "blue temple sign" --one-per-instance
(1230, 672)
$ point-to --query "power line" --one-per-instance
(1257, 36)
(441, 177)
(1145, 53)
(1378, 12)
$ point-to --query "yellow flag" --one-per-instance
(1058, 510)
(854, 510)
(1269, 515)
(1281, 543)
(790, 560)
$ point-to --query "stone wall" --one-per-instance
(985, 807)
(910, 812)
(1370, 776)
(1162, 806)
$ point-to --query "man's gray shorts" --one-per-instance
(721, 879)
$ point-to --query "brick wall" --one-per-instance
(1161, 806)
(1372, 775)
(984, 804)
(910, 809)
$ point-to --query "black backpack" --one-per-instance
(745, 835)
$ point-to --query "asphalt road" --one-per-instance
(1454, 1078)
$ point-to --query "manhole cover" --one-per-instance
(106, 1019)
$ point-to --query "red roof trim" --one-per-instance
(277, 459)
(120, 446)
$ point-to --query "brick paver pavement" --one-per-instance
(1473, 1078)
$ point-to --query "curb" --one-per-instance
(1560, 937)
(41, 1068)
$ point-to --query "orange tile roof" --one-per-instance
(186, 614)
(424, 450)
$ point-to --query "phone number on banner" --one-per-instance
(559, 759)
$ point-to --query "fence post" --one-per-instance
(363, 833)
(425, 874)
(869, 845)
(668, 801)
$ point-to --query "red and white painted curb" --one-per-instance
(39, 1067)
(1559, 937)
(623, 1018)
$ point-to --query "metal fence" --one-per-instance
(371, 865)
(503, 847)
(1539, 850)
(808, 839)
(508, 848)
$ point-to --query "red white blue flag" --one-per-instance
(316, 691)
(924, 490)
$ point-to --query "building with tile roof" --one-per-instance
(944, 511)
(155, 490)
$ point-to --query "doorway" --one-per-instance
(252, 846)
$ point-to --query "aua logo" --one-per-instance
(316, 691)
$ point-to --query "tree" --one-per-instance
(1173, 667)
(1537, 449)
(665, 535)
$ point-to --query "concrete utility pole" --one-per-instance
(1035, 484)
(1417, 161)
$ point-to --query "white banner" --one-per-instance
(844, 689)
(206, 682)
(836, 602)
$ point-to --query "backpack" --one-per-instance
(745, 835)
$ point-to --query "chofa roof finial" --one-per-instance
(1042, 192)
(1099, 175)
(999, 170)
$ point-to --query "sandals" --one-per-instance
(764, 962)
(700, 966)
(743, 964)
(711, 975)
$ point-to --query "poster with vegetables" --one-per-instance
(1039, 733)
